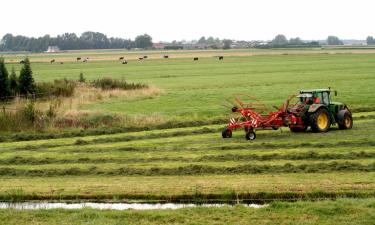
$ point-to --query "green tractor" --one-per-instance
(316, 109)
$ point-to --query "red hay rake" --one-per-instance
(254, 116)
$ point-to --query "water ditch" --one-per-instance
(110, 206)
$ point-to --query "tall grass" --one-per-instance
(109, 83)
(62, 87)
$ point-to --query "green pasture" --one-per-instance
(196, 90)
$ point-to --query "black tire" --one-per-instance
(250, 135)
(320, 121)
(344, 119)
(226, 133)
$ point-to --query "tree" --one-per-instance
(13, 82)
(210, 41)
(202, 40)
(370, 40)
(227, 43)
(295, 41)
(4, 81)
(26, 80)
(143, 41)
(280, 40)
(333, 40)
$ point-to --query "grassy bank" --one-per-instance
(343, 211)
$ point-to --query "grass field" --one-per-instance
(191, 162)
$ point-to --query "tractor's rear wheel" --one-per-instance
(226, 133)
(250, 135)
(344, 120)
(320, 121)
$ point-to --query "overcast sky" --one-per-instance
(167, 20)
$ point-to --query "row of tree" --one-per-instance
(14, 85)
(280, 41)
(370, 40)
(70, 41)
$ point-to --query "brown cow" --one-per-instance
(166, 57)
(140, 58)
(221, 57)
(52, 61)
(145, 57)
(195, 58)
(78, 58)
(121, 58)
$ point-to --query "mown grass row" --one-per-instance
(309, 155)
(28, 136)
(82, 146)
(194, 170)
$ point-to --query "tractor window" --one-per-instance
(318, 98)
(325, 98)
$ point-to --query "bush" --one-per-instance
(109, 83)
(29, 112)
(63, 87)
(81, 78)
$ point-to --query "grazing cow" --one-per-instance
(121, 58)
(78, 58)
(166, 57)
(52, 61)
(140, 58)
(124, 62)
(85, 60)
(221, 57)
(145, 57)
(195, 58)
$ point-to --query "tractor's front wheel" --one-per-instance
(320, 121)
(250, 135)
(344, 120)
(226, 133)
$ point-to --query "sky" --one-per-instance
(167, 20)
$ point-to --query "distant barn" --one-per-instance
(52, 49)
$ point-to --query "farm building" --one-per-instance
(53, 49)
(158, 45)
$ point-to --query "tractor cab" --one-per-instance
(316, 96)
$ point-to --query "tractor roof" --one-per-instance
(316, 90)
(305, 95)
